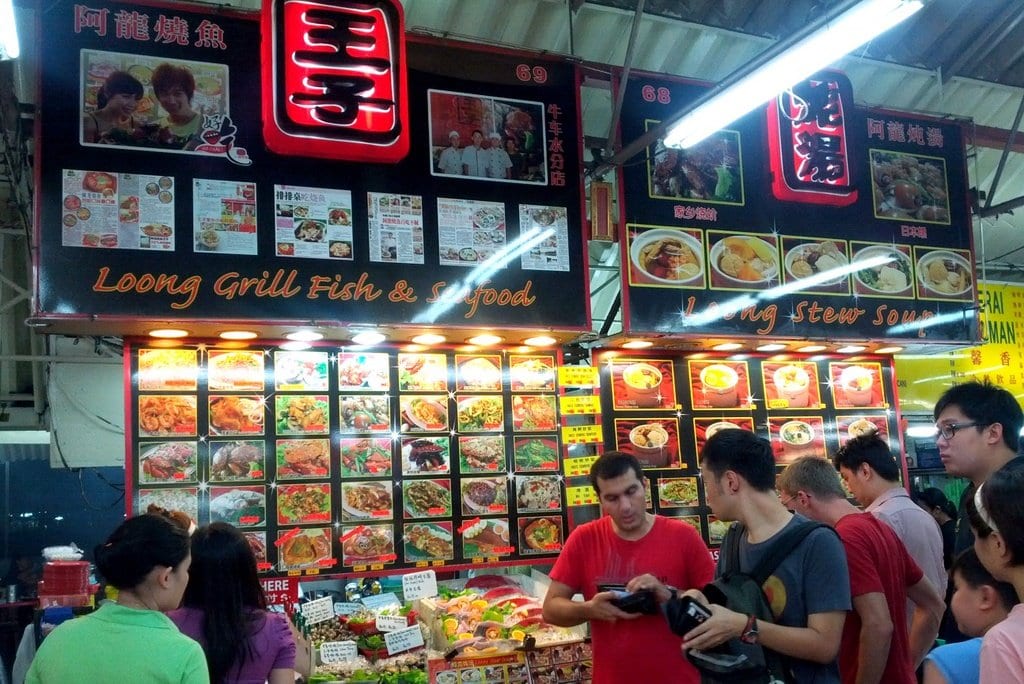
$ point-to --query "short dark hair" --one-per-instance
(137, 546)
(118, 83)
(1001, 496)
(813, 475)
(870, 449)
(978, 524)
(612, 464)
(167, 76)
(974, 574)
(933, 497)
(985, 404)
(744, 453)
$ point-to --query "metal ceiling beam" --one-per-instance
(627, 65)
(1005, 154)
(968, 60)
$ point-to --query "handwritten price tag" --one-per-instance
(391, 623)
(582, 434)
(578, 376)
(338, 651)
(577, 467)
(343, 608)
(589, 404)
(381, 601)
(318, 611)
(418, 585)
(403, 640)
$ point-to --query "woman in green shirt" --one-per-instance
(147, 559)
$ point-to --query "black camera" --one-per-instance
(685, 613)
(644, 602)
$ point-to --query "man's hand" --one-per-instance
(600, 608)
(650, 583)
(724, 624)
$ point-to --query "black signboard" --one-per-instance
(808, 218)
(159, 199)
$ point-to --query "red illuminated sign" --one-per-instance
(807, 142)
(335, 79)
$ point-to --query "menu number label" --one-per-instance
(419, 585)
(578, 376)
(578, 467)
(320, 610)
(403, 639)
(338, 651)
(582, 434)
(585, 405)
(581, 496)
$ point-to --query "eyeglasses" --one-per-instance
(949, 430)
(786, 502)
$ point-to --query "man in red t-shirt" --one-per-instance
(642, 551)
(875, 646)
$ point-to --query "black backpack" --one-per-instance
(734, 661)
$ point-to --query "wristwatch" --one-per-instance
(750, 633)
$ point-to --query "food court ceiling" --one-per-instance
(955, 59)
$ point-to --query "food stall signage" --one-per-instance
(590, 404)
(281, 591)
(581, 434)
(577, 467)
(381, 601)
(403, 639)
(335, 72)
(417, 585)
(581, 496)
(346, 608)
(807, 137)
(319, 610)
(338, 651)
(391, 623)
(578, 376)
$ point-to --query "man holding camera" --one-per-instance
(626, 565)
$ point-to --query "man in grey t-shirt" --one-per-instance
(809, 592)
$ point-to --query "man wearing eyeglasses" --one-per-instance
(978, 432)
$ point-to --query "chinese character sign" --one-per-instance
(335, 75)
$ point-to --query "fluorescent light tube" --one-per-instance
(839, 36)
(9, 48)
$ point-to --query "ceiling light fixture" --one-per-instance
(837, 33)
(239, 335)
(305, 336)
(484, 340)
(429, 339)
(811, 348)
(368, 338)
(638, 344)
(888, 350)
(851, 349)
(168, 333)
(294, 345)
(9, 48)
(771, 347)
(728, 346)
(540, 341)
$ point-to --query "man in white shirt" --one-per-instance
(475, 158)
(499, 164)
(450, 161)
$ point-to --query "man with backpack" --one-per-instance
(806, 592)
(875, 645)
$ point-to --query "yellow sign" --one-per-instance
(582, 434)
(588, 404)
(576, 467)
(920, 380)
(578, 376)
(581, 496)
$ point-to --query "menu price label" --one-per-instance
(391, 623)
(338, 651)
(403, 639)
(346, 608)
(582, 434)
(584, 405)
(417, 585)
(578, 376)
(581, 496)
(320, 610)
(578, 467)
(381, 601)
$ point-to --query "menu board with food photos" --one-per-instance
(336, 461)
(662, 407)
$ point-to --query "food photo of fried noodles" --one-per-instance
(167, 415)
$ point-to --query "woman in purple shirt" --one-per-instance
(225, 610)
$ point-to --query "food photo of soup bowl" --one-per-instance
(796, 437)
(817, 260)
(861, 427)
(944, 274)
(719, 383)
(667, 257)
(857, 383)
(643, 384)
(793, 384)
(650, 444)
(715, 428)
(887, 273)
(744, 262)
